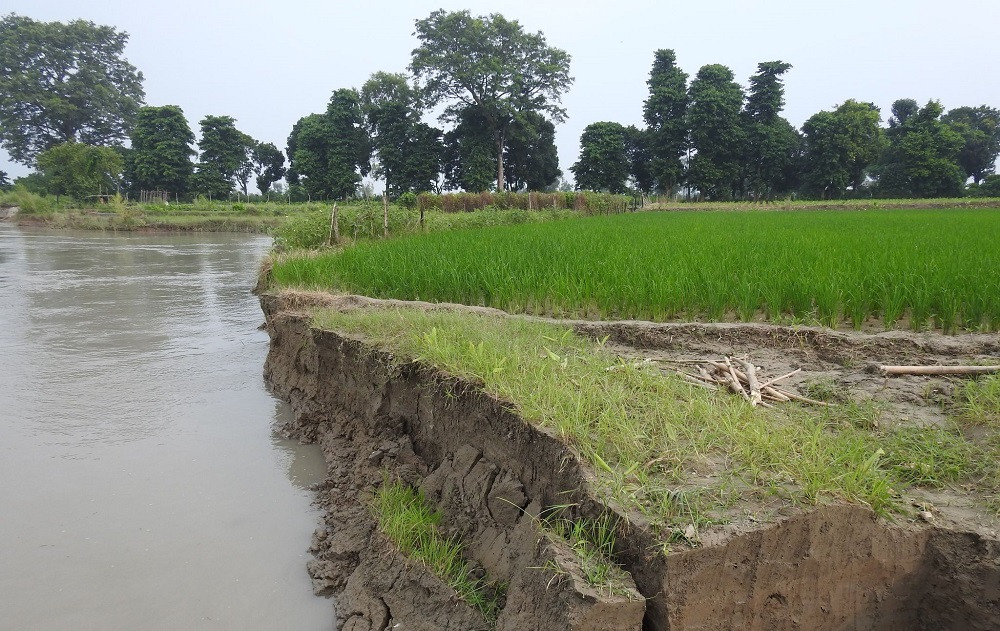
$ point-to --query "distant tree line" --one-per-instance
(711, 139)
(72, 107)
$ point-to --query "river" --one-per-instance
(141, 483)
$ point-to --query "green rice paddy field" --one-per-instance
(914, 268)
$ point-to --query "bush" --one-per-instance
(407, 200)
(28, 202)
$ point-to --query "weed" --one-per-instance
(978, 401)
(405, 517)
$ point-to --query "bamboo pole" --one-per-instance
(938, 370)
(333, 236)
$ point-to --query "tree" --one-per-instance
(980, 129)
(716, 131)
(840, 146)
(771, 142)
(409, 151)
(603, 163)
(639, 147)
(225, 156)
(490, 63)
(5, 183)
(531, 160)
(268, 165)
(469, 160)
(329, 153)
(921, 159)
(80, 170)
(664, 113)
(160, 158)
(64, 83)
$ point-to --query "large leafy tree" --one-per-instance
(64, 83)
(604, 160)
(664, 113)
(980, 129)
(329, 153)
(160, 158)
(469, 156)
(80, 170)
(490, 63)
(531, 160)
(268, 165)
(639, 148)
(840, 146)
(772, 144)
(717, 133)
(409, 151)
(225, 156)
(921, 158)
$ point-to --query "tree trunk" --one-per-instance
(500, 181)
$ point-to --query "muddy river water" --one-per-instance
(141, 484)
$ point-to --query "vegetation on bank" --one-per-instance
(408, 520)
(646, 434)
(915, 268)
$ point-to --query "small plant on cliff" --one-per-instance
(593, 542)
(405, 517)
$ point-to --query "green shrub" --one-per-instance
(28, 202)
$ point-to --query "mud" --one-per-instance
(491, 474)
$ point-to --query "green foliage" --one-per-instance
(717, 134)
(839, 148)
(978, 401)
(470, 153)
(408, 200)
(329, 153)
(593, 541)
(405, 518)
(80, 170)
(160, 159)
(921, 159)
(771, 157)
(409, 151)
(489, 61)
(27, 201)
(530, 159)
(989, 187)
(916, 267)
(225, 157)
(604, 160)
(64, 83)
(980, 130)
(665, 112)
(268, 164)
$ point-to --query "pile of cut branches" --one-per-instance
(742, 377)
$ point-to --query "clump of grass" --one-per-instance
(405, 517)
(593, 542)
(979, 401)
(924, 267)
(640, 428)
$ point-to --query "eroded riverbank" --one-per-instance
(835, 566)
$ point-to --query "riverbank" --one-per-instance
(757, 548)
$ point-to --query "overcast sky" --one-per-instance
(269, 63)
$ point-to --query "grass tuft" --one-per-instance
(643, 430)
(405, 517)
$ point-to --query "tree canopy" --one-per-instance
(64, 83)
(329, 153)
(664, 113)
(492, 64)
(980, 131)
(717, 134)
(79, 170)
(160, 158)
(604, 161)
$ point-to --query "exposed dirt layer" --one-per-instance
(490, 474)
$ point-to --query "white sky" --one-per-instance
(269, 63)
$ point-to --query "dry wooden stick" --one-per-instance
(775, 393)
(736, 380)
(938, 370)
(797, 397)
(752, 383)
(771, 382)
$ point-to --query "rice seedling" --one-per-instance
(921, 267)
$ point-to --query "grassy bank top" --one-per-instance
(915, 268)
(680, 454)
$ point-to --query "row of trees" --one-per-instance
(720, 141)
(69, 92)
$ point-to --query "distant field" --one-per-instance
(915, 268)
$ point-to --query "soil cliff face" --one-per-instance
(491, 474)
